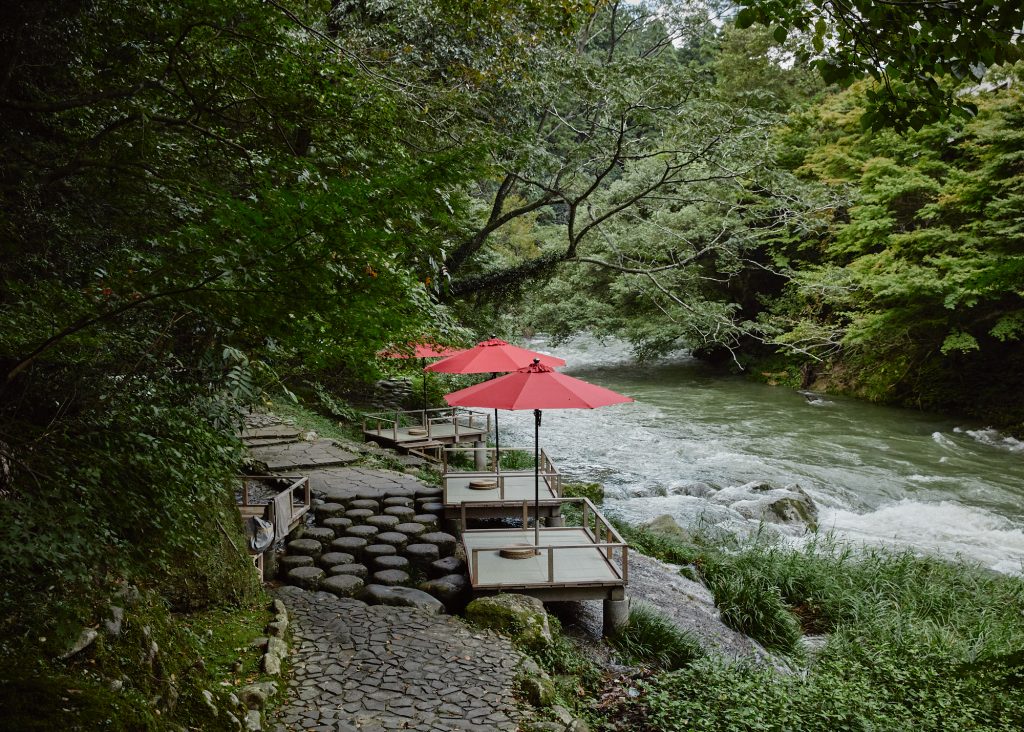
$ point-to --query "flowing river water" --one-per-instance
(877, 474)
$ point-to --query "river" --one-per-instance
(878, 475)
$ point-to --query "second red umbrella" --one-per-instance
(493, 356)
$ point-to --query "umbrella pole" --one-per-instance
(536, 478)
(497, 439)
(423, 361)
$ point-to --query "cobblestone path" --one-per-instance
(375, 668)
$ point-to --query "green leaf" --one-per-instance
(746, 18)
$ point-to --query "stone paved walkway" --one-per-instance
(375, 668)
(302, 455)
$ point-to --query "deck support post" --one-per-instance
(616, 615)
(554, 521)
(480, 456)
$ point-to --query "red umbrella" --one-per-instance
(421, 350)
(492, 356)
(536, 387)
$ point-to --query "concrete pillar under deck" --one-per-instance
(616, 615)
(554, 521)
(480, 456)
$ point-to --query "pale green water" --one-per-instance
(878, 474)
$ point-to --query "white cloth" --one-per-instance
(282, 510)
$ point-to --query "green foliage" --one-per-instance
(913, 643)
(908, 46)
(651, 638)
(913, 289)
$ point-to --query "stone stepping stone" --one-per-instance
(308, 578)
(395, 538)
(328, 510)
(337, 524)
(421, 555)
(355, 570)
(430, 520)
(362, 532)
(349, 545)
(358, 515)
(308, 547)
(390, 577)
(445, 543)
(366, 503)
(332, 558)
(446, 566)
(378, 550)
(384, 523)
(402, 512)
(428, 491)
(410, 529)
(342, 585)
(432, 507)
(292, 561)
(398, 501)
(374, 594)
(320, 533)
(452, 589)
(390, 562)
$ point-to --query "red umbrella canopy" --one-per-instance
(419, 350)
(492, 356)
(535, 387)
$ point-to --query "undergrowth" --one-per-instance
(913, 642)
(651, 638)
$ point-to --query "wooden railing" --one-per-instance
(427, 419)
(299, 483)
(595, 525)
(491, 457)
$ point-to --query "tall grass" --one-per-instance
(650, 637)
(914, 642)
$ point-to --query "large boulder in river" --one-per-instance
(789, 505)
(667, 527)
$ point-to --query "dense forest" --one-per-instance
(204, 202)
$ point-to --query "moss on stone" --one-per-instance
(520, 617)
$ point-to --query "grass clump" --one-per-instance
(650, 637)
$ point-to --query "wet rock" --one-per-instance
(322, 534)
(401, 597)
(365, 503)
(667, 527)
(394, 538)
(696, 489)
(762, 501)
(412, 529)
(363, 532)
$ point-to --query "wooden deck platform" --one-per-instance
(429, 428)
(465, 493)
(584, 562)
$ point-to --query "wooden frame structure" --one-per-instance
(249, 508)
(511, 490)
(422, 430)
(585, 562)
